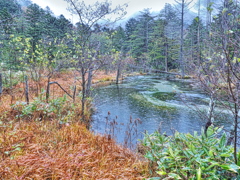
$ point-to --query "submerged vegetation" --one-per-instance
(141, 100)
(164, 96)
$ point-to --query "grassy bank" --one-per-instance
(46, 140)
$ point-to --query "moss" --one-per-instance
(164, 96)
(165, 108)
(142, 101)
(152, 89)
(187, 77)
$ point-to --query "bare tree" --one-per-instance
(0, 84)
(85, 50)
(220, 70)
(184, 4)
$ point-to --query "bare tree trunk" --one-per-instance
(166, 55)
(48, 89)
(208, 25)
(61, 88)
(49, 76)
(210, 113)
(0, 84)
(234, 131)
(75, 88)
(106, 70)
(184, 6)
(234, 92)
(182, 64)
(198, 36)
(118, 73)
(236, 111)
(83, 93)
(208, 17)
(89, 83)
(26, 90)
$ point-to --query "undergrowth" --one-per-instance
(190, 157)
(61, 109)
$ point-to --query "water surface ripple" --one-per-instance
(167, 105)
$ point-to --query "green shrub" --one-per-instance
(40, 110)
(11, 78)
(186, 156)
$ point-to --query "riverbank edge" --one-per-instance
(11, 158)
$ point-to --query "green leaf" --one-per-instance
(175, 176)
(162, 173)
(231, 167)
(199, 174)
(171, 152)
(149, 156)
(186, 169)
(212, 66)
(223, 140)
(210, 153)
(238, 156)
(192, 147)
(213, 164)
(7, 152)
(224, 10)
(18, 149)
(187, 154)
(12, 157)
(225, 155)
(196, 19)
(234, 60)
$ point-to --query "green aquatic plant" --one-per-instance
(141, 100)
(152, 89)
(164, 96)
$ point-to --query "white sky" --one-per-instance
(59, 6)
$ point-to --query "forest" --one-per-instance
(49, 67)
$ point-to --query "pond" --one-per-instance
(149, 103)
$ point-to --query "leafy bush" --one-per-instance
(11, 78)
(40, 110)
(186, 156)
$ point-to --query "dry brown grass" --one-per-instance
(48, 150)
(44, 150)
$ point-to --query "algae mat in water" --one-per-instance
(141, 100)
(164, 96)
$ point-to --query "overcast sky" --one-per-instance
(59, 6)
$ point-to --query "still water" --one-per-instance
(160, 104)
